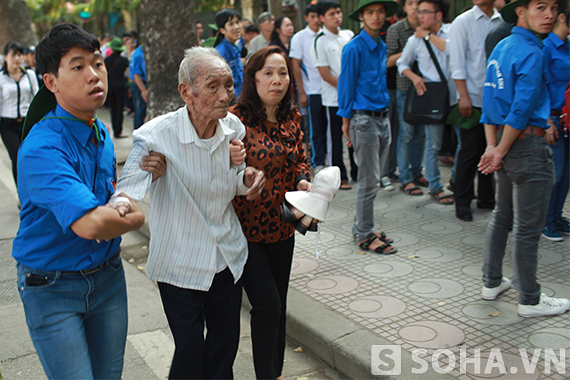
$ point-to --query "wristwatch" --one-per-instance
(427, 36)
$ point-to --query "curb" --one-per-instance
(342, 344)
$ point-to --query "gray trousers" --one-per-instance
(523, 187)
(370, 138)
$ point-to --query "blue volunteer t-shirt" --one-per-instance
(62, 174)
(515, 90)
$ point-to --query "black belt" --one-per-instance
(90, 271)
(19, 120)
(555, 112)
(372, 113)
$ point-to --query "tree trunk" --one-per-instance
(15, 24)
(167, 30)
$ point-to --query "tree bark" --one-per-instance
(15, 24)
(167, 30)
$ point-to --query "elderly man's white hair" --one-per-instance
(194, 60)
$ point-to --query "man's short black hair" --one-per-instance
(440, 6)
(311, 8)
(57, 42)
(251, 28)
(324, 6)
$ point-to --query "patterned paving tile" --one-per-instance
(428, 294)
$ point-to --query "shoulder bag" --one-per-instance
(433, 106)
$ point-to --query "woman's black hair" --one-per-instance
(57, 42)
(222, 17)
(249, 99)
(11, 46)
(275, 33)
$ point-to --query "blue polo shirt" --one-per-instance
(515, 90)
(231, 54)
(557, 57)
(362, 80)
(137, 64)
(62, 174)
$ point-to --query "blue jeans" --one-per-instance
(561, 157)
(78, 323)
(523, 187)
(411, 142)
(434, 138)
(370, 137)
(140, 106)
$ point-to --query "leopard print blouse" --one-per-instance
(277, 149)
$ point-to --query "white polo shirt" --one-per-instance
(300, 49)
(327, 51)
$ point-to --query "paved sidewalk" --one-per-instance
(426, 297)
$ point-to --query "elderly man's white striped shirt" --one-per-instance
(192, 219)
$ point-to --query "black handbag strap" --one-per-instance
(435, 61)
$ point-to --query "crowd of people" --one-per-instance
(218, 169)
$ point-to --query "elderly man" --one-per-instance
(197, 248)
(266, 22)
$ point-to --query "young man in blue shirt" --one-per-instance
(516, 107)
(70, 274)
(363, 102)
(137, 74)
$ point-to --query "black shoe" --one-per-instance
(486, 205)
(464, 213)
(394, 177)
(313, 226)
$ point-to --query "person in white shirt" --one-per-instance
(468, 63)
(308, 82)
(266, 22)
(326, 54)
(432, 30)
(17, 89)
(197, 247)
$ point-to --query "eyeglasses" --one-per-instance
(425, 13)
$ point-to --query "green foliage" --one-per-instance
(211, 5)
(51, 11)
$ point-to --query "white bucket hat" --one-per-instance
(315, 203)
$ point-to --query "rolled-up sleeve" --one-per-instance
(457, 47)
(134, 181)
(526, 92)
(408, 56)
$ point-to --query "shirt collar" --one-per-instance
(187, 133)
(331, 34)
(369, 40)
(479, 13)
(309, 30)
(527, 35)
(555, 40)
(77, 128)
(407, 24)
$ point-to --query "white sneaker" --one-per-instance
(386, 184)
(491, 294)
(545, 307)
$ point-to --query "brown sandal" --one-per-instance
(413, 191)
